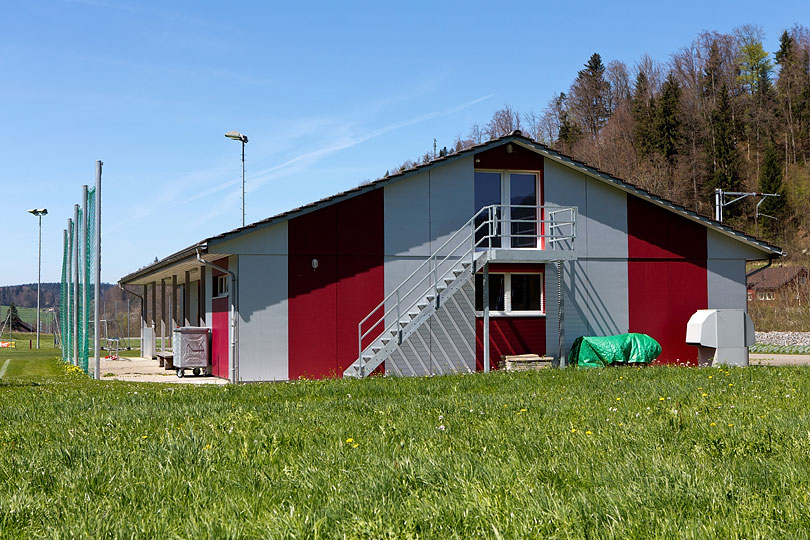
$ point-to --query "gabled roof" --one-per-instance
(516, 137)
(775, 277)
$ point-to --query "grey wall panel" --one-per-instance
(606, 296)
(207, 287)
(194, 307)
(412, 358)
(396, 270)
(452, 199)
(453, 333)
(270, 240)
(406, 216)
(726, 283)
(263, 343)
(604, 221)
(565, 187)
(720, 246)
(575, 305)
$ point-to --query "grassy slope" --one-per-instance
(560, 454)
(28, 314)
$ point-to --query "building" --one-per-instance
(785, 284)
(390, 276)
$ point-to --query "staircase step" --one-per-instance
(413, 314)
(422, 305)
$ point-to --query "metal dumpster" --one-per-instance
(191, 350)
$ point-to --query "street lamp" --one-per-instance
(39, 212)
(236, 136)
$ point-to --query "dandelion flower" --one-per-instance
(731, 384)
(355, 445)
(660, 399)
(573, 430)
(712, 424)
(618, 399)
(704, 394)
(589, 432)
(710, 376)
(144, 436)
(731, 425)
(349, 440)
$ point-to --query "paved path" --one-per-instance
(144, 370)
(779, 359)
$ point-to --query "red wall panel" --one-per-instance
(325, 304)
(509, 335)
(521, 159)
(666, 276)
(220, 332)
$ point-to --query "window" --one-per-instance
(520, 220)
(220, 286)
(511, 293)
(750, 295)
(765, 295)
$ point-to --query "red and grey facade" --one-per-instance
(300, 282)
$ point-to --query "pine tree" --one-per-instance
(667, 121)
(590, 94)
(770, 181)
(723, 157)
(13, 316)
(643, 111)
(570, 133)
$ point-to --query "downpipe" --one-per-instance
(233, 311)
(770, 262)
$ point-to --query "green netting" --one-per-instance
(70, 295)
(63, 301)
(90, 261)
(81, 328)
(77, 305)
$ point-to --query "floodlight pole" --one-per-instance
(39, 212)
(236, 136)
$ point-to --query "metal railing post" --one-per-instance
(399, 315)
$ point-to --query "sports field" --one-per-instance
(612, 453)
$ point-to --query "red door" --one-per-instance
(219, 337)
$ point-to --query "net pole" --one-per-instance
(68, 320)
(74, 255)
(63, 296)
(85, 285)
(97, 217)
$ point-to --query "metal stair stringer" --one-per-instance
(432, 300)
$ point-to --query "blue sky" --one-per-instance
(330, 94)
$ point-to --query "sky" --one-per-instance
(330, 94)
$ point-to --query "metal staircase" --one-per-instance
(492, 234)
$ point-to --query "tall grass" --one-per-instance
(615, 453)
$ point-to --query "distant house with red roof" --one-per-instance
(784, 283)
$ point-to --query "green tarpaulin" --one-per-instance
(620, 349)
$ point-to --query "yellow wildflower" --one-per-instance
(589, 432)
(349, 440)
(712, 424)
(355, 445)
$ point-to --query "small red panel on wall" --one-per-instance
(499, 158)
(220, 333)
(666, 277)
(507, 336)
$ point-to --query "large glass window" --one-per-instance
(522, 193)
(527, 292)
(487, 191)
(496, 292)
(511, 294)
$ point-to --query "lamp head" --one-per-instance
(38, 211)
(235, 135)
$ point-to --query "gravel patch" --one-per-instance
(783, 338)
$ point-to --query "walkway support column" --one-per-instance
(187, 300)
(163, 315)
(175, 317)
(486, 317)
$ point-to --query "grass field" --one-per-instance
(614, 453)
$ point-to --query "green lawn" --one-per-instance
(613, 453)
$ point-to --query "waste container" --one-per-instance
(190, 349)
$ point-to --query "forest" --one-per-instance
(721, 112)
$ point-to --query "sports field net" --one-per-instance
(77, 291)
